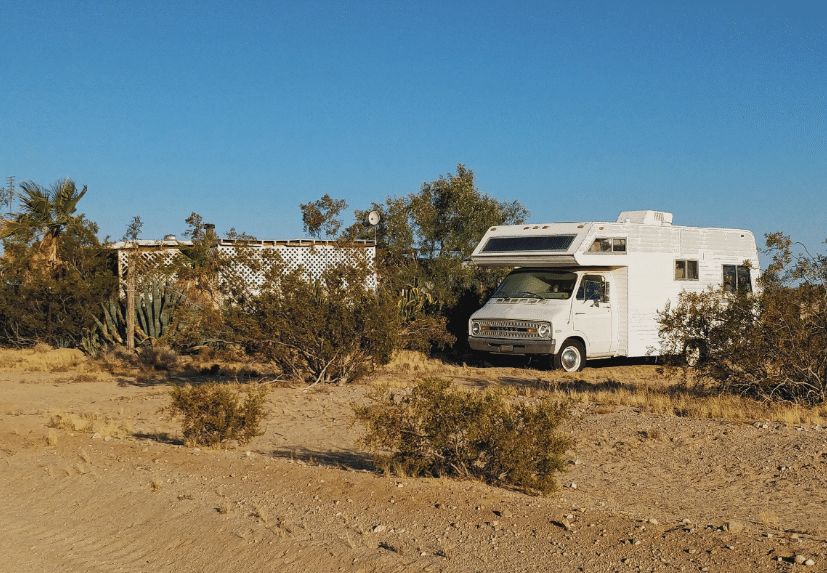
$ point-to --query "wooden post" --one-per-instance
(131, 272)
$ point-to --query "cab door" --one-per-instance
(593, 314)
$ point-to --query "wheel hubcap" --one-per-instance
(570, 359)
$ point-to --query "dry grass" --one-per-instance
(768, 518)
(406, 366)
(91, 423)
(645, 387)
(42, 358)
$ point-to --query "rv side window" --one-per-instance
(736, 277)
(608, 246)
(686, 270)
(591, 288)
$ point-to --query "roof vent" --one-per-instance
(657, 218)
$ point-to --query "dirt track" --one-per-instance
(304, 499)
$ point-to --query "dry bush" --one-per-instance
(117, 360)
(771, 344)
(439, 430)
(159, 357)
(211, 413)
(90, 423)
(331, 330)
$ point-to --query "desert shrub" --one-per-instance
(330, 330)
(213, 414)
(54, 303)
(771, 344)
(159, 357)
(439, 430)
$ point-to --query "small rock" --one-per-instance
(573, 485)
(566, 524)
(809, 563)
(96, 436)
(653, 521)
(800, 559)
(768, 535)
(503, 513)
(733, 526)
(685, 521)
(379, 529)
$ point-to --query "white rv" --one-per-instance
(582, 291)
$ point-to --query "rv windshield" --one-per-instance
(533, 283)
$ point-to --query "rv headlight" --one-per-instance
(475, 328)
(544, 330)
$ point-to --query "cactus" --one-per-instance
(412, 299)
(153, 307)
(90, 343)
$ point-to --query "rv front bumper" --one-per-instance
(511, 345)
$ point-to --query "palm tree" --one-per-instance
(44, 215)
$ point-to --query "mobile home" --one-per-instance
(583, 291)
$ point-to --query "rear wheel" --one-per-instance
(572, 356)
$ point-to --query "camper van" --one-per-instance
(585, 291)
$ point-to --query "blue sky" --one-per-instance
(715, 111)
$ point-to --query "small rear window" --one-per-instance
(530, 243)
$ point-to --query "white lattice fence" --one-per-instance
(252, 261)
(314, 259)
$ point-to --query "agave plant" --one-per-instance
(153, 313)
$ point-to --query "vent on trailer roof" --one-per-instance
(657, 218)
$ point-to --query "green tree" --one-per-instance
(133, 231)
(322, 216)
(57, 305)
(45, 213)
(425, 239)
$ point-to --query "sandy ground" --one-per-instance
(652, 493)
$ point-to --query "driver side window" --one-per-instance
(591, 288)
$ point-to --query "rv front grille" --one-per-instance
(517, 329)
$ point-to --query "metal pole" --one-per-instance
(131, 272)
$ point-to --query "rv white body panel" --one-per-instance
(643, 261)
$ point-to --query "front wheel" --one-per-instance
(571, 358)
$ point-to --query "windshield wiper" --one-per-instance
(526, 294)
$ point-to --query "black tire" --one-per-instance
(571, 357)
